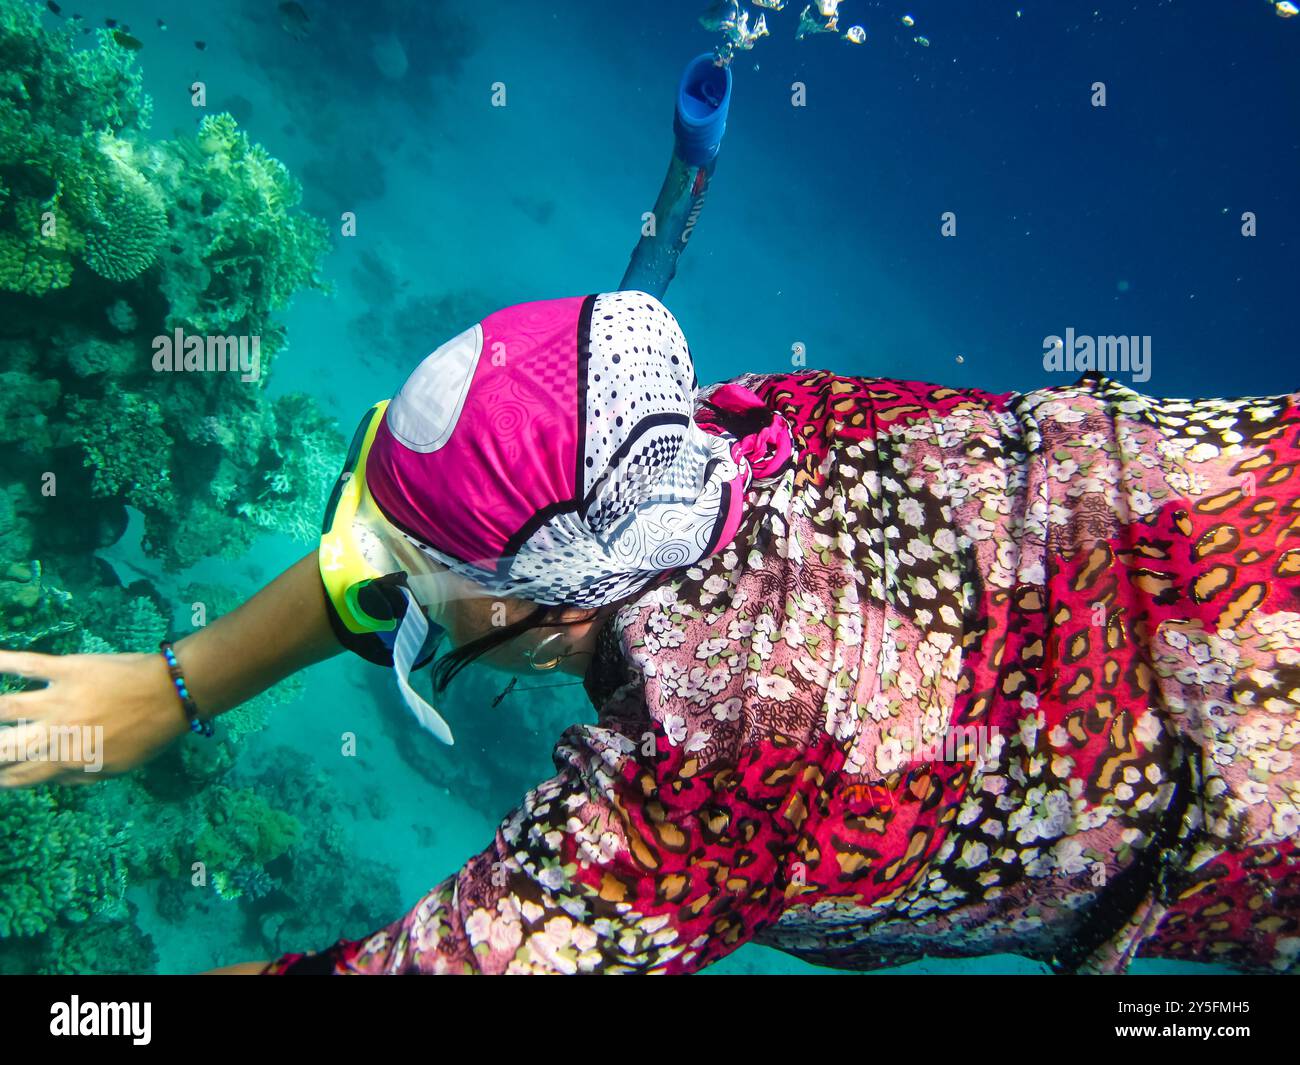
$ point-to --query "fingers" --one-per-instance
(28, 759)
(31, 664)
(18, 707)
(22, 757)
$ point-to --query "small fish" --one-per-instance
(131, 44)
(855, 35)
(924, 42)
(110, 23)
(161, 24)
(509, 688)
(1286, 9)
(201, 45)
(294, 20)
(771, 5)
(908, 21)
(828, 8)
(54, 8)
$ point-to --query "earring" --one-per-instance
(533, 653)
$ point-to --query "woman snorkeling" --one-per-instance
(882, 669)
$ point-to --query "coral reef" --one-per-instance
(31, 610)
(87, 281)
(99, 945)
(67, 188)
(109, 239)
(239, 248)
(241, 833)
(300, 462)
(121, 436)
(266, 843)
(325, 889)
(54, 865)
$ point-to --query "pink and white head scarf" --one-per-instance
(551, 452)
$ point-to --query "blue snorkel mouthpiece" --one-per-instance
(703, 96)
(699, 121)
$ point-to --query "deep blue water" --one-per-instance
(822, 229)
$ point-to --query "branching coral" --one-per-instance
(205, 456)
(302, 463)
(106, 240)
(36, 253)
(123, 439)
(54, 864)
(239, 248)
(66, 119)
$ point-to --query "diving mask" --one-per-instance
(377, 580)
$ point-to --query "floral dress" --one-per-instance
(981, 673)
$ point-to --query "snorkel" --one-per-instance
(700, 119)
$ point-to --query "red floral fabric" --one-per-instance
(981, 673)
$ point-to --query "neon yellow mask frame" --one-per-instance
(346, 564)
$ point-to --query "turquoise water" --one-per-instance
(821, 230)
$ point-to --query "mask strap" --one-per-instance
(411, 635)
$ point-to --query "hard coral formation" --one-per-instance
(54, 865)
(239, 247)
(127, 216)
(108, 239)
(242, 832)
(326, 889)
(123, 441)
(31, 609)
(68, 855)
(70, 190)
(206, 457)
(300, 463)
(36, 252)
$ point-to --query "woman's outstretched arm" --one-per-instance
(282, 629)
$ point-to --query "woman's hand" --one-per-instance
(130, 697)
(98, 716)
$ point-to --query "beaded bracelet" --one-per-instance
(178, 679)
